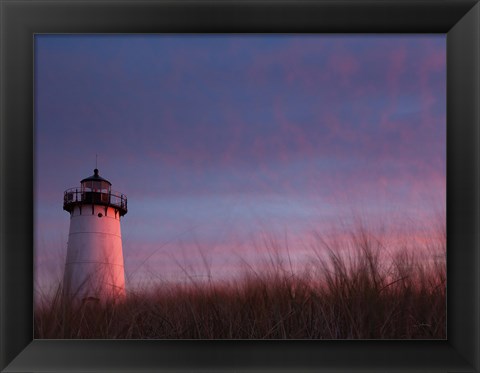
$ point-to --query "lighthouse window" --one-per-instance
(96, 186)
(100, 214)
(87, 185)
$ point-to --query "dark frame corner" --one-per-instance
(20, 20)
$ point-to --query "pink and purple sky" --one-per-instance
(222, 140)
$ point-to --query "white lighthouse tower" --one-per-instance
(94, 268)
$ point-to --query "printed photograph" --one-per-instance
(240, 186)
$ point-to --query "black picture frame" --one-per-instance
(20, 20)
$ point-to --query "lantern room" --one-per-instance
(95, 190)
(96, 184)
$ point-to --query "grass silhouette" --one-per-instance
(349, 291)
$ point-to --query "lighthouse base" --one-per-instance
(93, 281)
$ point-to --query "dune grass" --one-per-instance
(344, 294)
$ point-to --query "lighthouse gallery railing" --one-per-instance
(112, 198)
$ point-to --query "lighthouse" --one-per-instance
(94, 268)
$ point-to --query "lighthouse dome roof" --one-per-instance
(96, 177)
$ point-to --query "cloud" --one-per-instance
(237, 132)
